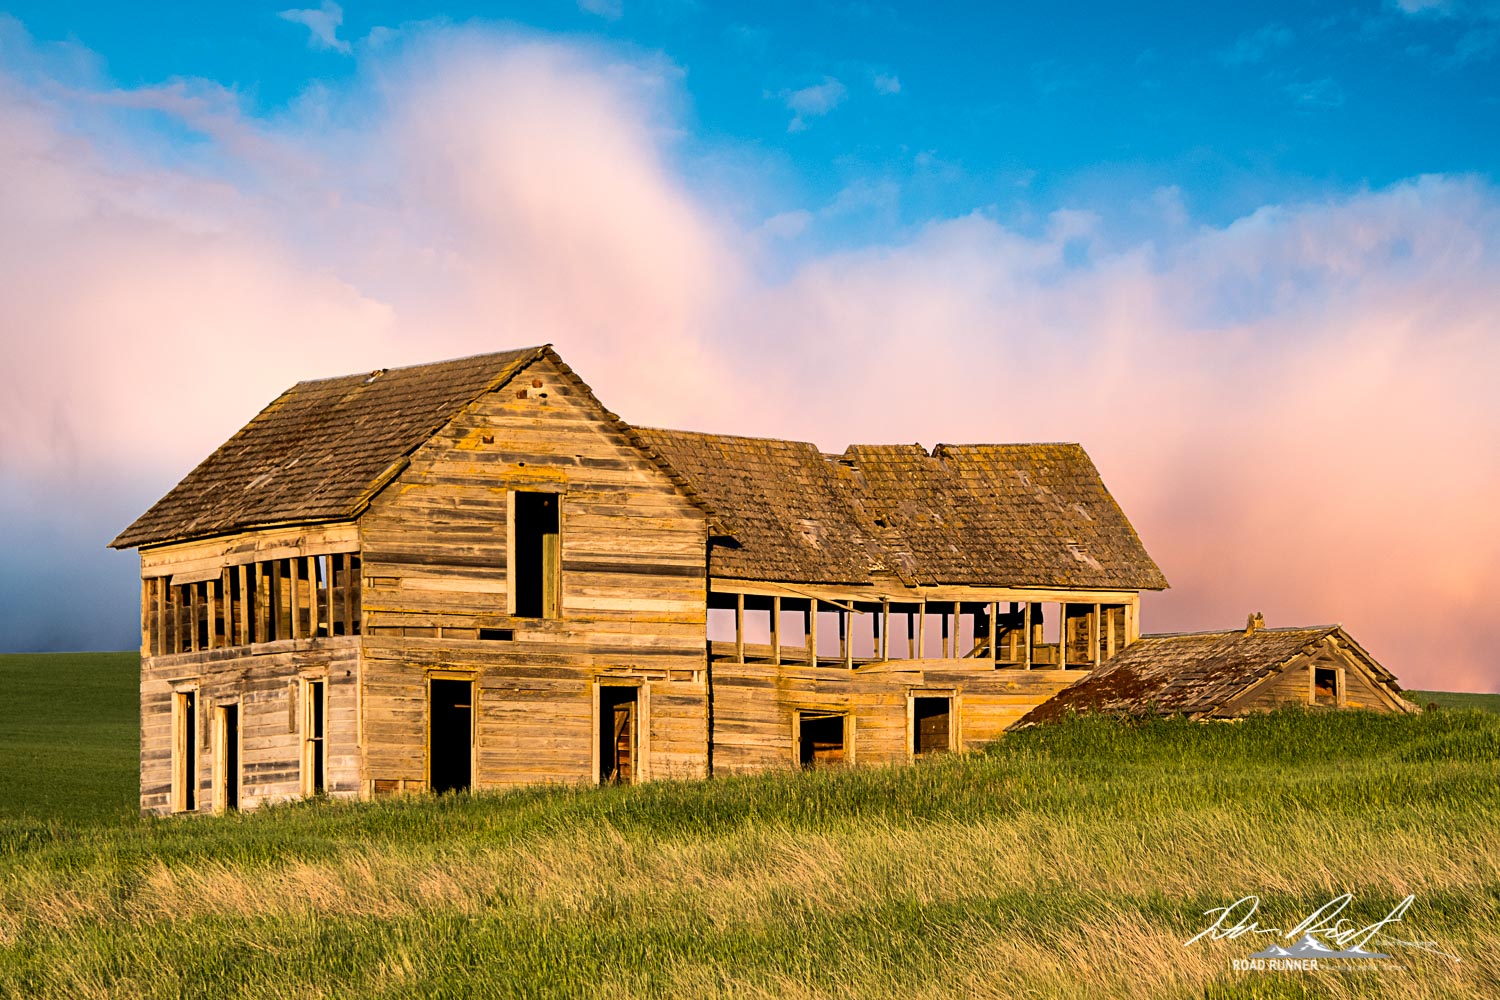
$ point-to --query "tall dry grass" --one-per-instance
(1073, 861)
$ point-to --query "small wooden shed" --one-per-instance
(1218, 675)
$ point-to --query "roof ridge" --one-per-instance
(1009, 444)
(535, 350)
(1241, 631)
(716, 434)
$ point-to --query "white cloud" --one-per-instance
(1423, 6)
(787, 225)
(610, 10)
(322, 24)
(1257, 46)
(887, 83)
(813, 101)
(1316, 95)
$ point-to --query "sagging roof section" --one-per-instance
(1028, 514)
(1194, 673)
(781, 501)
(321, 449)
(1014, 515)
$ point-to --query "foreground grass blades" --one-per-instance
(1068, 861)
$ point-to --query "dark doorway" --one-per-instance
(316, 760)
(229, 748)
(187, 750)
(820, 738)
(618, 720)
(535, 571)
(931, 719)
(451, 743)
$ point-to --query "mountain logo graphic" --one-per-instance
(1311, 947)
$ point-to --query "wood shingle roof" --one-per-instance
(1008, 515)
(321, 449)
(1192, 673)
(782, 501)
(1014, 515)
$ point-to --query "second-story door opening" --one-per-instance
(537, 555)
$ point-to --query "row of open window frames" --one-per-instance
(293, 598)
(222, 741)
(949, 630)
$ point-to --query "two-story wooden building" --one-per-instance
(471, 574)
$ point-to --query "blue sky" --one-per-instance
(1248, 256)
(912, 111)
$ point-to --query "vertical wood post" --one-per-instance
(849, 638)
(195, 608)
(263, 602)
(148, 605)
(243, 618)
(212, 610)
(739, 628)
(294, 595)
(310, 567)
(348, 562)
(1062, 635)
(1109, 634)
(885, 628)
(921, 630)
(776, 631)
(958, 617)
(278, 628)
(1026, 629)
(1094, 637)
(812, 631)
(226, 597)
(162, 582)
(994, 635)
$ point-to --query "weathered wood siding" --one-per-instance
(1292, 685)
(264, 681)
(755, 706)
(633, 594)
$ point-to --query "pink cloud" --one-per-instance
(1295, 409)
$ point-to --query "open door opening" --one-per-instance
(536, 562)
(820, 739)
(314, 739)
(227, 735)
(932, 730)
(618, 721)
(451, 740)
(185, 780)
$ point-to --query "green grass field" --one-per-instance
(1068, 861)
(70, 735)
(1456, 699)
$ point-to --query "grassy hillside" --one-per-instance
(1068, 861)
(70, 734)
(1456, 700)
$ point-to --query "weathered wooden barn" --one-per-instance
(1224, 675)
(471, 574)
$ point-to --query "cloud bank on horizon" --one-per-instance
(1296, 408)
